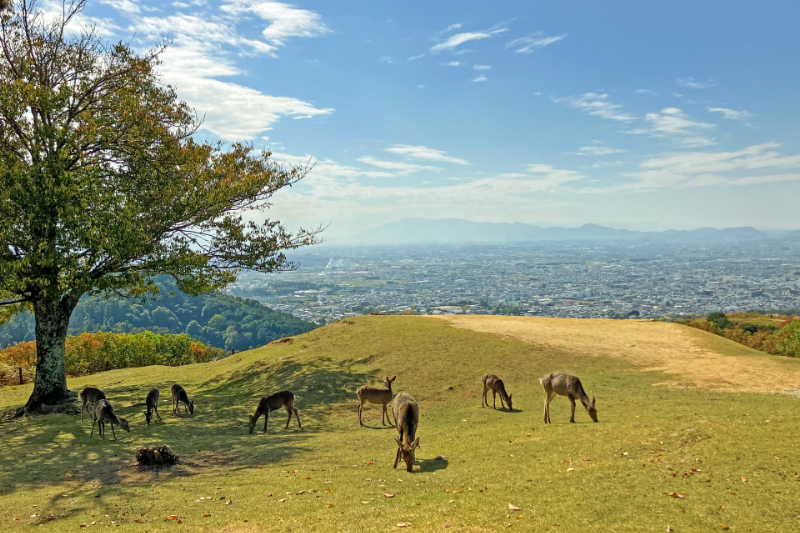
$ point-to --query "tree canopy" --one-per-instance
(103, 185)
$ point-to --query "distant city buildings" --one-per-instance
(552, 279)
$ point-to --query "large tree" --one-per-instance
(103, 185)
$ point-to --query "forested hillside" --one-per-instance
(218, 320)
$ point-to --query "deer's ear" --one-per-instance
(593, 399)
(510, 396)
(400, 444)
(415, 444)
(394, 378)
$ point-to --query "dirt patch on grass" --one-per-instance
(697, 359)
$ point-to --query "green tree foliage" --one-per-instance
(103, 186)
(206, 318)
(719, 319)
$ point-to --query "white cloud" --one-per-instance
(479, 79)
(481, 67)
(52, 10)
(400, 167)
(387, 59)
(645, 91)
(533, 42)
(753, 165)
(451, 27)
(730, 113)
(412, 58)
(284, 20)
(126, 6)
(596, 150)
(458, 39)
(424, 153)
(597, 104)
(692, 83)
(452, 64)
(673, 123)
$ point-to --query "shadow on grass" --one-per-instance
(432, 465)
(43, 451)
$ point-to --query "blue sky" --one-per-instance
(639, 115)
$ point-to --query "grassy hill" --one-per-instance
(681, 411)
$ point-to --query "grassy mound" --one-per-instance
(730, 455)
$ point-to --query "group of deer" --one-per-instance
(406, 411)
(94, 401)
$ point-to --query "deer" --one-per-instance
(495, 384)
(566, 385)
(152, 405)
(90, 395)
(367, 393)
(406, 418)
(179, 397)
(273, 402)
(104, 412)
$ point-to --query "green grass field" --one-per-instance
(733, 457)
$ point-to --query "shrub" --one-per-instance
(719, 319)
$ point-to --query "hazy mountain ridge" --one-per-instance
(426, 230)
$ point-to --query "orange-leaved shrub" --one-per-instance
(88, 353)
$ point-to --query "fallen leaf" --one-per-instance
(669, 529)
(585, 459)
(259, 467)
(206, 515)
(312, 491)
(364, 503)
(282, 500)
(696, 470)
(308, 478)
(330, 505)
(457, 491)
(570, 469)
(448, 525)
(723, 526)
(389, 495)
(721, 507)
(180, 521)
(172, 517)
(269, 495)
(83, 525)
(403, 524)
(328, 490)
(137, 520)
(448, 491)
(290, 493)
(229, 502)
(627, 492)
(733, 494)
(35, 515)
(514, 507)
(369, 462)
(675, 495)
(744, 479)
(299, 493)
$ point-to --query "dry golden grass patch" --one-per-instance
(695, 358)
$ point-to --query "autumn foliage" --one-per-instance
(88, 353)
(780, 337)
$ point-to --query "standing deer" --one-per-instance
(179, 396)
(367, 393)
(273, 402)
(495, 384)
(152, 405)
(406, 418)
(89, 395)
(569, 386)
(104, 412)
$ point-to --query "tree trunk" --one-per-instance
(52, 321)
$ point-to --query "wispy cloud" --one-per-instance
(598, 105)
(400, 167)
(126, 6)
(692, 83)
(387, 59)
(424, 153)
(481, 67)
(673, 123)
(533, 42)
(597, 150)
(452, 64)
(645, 91)
(730, 113)
(479, 79)
(285, 20)
(454, 41)
(451, 27)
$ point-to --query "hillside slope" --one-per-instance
(652, 440)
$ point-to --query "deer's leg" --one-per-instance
(266, 417)
(158, 415)
(83, 408)
(494, 399)
(572, 416)
(113, 432)
(360, 406)
(397, 457)
(297, 417)
(93, 423)
(384, 415)
(483, 396)
(289, 410)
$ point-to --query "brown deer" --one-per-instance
(569, 386)
(273, 402)
(89, 395)
(495, 384)
(406, 418)
(104, 412)
(367, 393)
(152, 405)
(179, 397)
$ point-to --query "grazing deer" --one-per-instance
(104, 412)
(179, 397)
(406, 418)
(569, 386)
(495, 384)
(152, 405)
(89, 395)
(366, 393)
(273, 402)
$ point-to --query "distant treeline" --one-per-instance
(89, 353)
(217, 320)
(771, 333)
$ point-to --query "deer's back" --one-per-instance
(493, 382)
(91, 394)
(152, 398)
(406, 413)
(276, 400)
(179, 393)
(562, 383)
(374, 394)
(103, 410)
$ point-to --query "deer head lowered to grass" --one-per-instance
(566, 385)
(496, 385)
(273, 402)
(406, 418)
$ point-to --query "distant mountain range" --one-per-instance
(453, 230)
